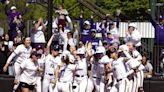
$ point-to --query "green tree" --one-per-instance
(131, 9)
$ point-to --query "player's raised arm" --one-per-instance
(6, 9)
(16, 52)
(64, 37)
(8, 61)
(89, 50)
(151, 18)
(40, 20)
(50, 42)
(81, 21)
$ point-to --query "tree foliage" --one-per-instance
(131, 9)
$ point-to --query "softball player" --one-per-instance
(71, 53)
(21, 53)
(89, 57)
(81, 78)
(41, 64)
(139, 74)
(64, 74)
(99, 76)
(95, 73)
(28, 76)
(110, 84)
(131, 64)
(119, 72)
(51, 62)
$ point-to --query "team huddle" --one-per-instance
(80, 69)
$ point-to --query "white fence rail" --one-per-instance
(145, 29)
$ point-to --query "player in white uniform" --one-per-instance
(140, 75)
(89, 56)
(134, 66)
(41, 65)
(98, 69)
(81, 78)
(110, 84)
(64, 74)
(21, 53)
(111, 81)
(28, 76)
(119, 72)
(51, 63)
(130, 66)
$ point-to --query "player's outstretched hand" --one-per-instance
(5, 68)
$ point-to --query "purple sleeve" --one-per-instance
(19, 13)
(22, 26)
(152, 21)
(103, 34)
(12, 25)
(81, 24)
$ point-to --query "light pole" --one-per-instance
(50, 13)
(153, 7)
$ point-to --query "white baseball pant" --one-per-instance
(140, 78)
(122, 85)
(102, 84)
(111, 85)
(96, 83)
(63, 87)
(38, 84)
(17, 70)
(130, 85)
(82, 84)
(135, 86)
(17, 73)
(47, 87)
(90, 85)
(99, 84)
